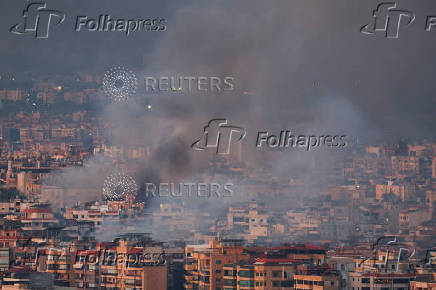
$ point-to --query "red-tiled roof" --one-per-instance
(276, 260)
(86, 252)
(134, 250)
(37, 210)
(391, 275)
(307, 246)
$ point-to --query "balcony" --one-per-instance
(111, 272)
(190, 267)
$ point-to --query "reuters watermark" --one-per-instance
(189, 84)
(189, 189)
(120, 83)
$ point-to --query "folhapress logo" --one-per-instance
(220, 135)
(37, 20)
(388, 20)
(105, 23)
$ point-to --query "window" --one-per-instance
(401, 281)
(276, 273)
(276, 283)
(246, 274)
(246, 283)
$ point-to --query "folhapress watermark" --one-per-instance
(388, 20)
(393, 249)
(38, 20)
(189, 189)
(112, 258)
(288, 140)
(221, 137)
(105, 257)
(106, 23)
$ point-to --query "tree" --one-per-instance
(7, 193)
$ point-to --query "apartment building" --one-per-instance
(425, 282)
(380, 281)
(126, 266)
(37, 219)
(317, 277)
(55, 260)
(204, 265)
(248, 223)
(405, 164)
(264, 273)
(410, 219)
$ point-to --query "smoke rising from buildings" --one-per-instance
(288, 75)
(287, 54)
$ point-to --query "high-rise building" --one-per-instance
(204, 266)
(263, 274)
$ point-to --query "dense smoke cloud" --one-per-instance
(285, 54)
(296, 65)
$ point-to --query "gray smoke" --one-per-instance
(301, 66)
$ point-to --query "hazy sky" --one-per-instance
(292, 55)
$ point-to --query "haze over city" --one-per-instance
(217, 145)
